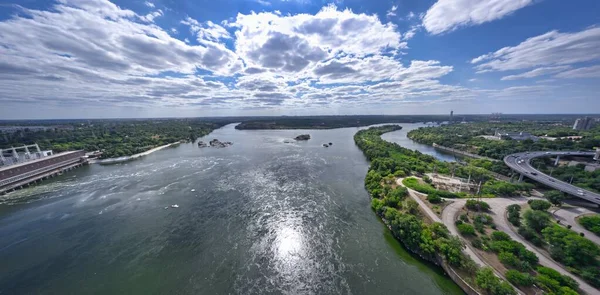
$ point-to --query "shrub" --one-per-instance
(555, 275)
(483, 218)
(376, 204)
(458, 222)
(427, 179)
(487, 280)
(547, 283)
(539, 205)
(500, 236)
(513, 208)
(465, 229)
(537, 220)
(434, 198)
(509, 259)
(475, 205)
(514, 218)
(464, 217)
(519, 278)
(479, 227)
(477, 243)
(591, 223)
(530, 235)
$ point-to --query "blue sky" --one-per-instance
(170, 58)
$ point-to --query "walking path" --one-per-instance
(568, 215)
(451, 226)
(498, 210)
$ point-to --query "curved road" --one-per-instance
(498, 208)
(520, 162)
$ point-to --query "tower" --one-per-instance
(451, 116)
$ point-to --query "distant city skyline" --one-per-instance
(184, 58)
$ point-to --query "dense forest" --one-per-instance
(328, 122)
(469, 137)
(114, 138)
(430, 240)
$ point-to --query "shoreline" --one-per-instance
(132, 157)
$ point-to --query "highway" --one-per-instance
(521, 163)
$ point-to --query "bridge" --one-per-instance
(521, 163)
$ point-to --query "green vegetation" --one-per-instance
(537, 220)
(574, 251)
(539, 205)
(467, 137)
(114, 138)
(591, 223)
(488, 281)
(329, 122)
(466, 229)
(514, 214)
(426, 188)
(475, 205)
(506, 189)
(402, 215)
(555, 197)
(519, 278)
(577, 253)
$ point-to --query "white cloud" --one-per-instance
(410, 15)
(102, 55)
(448, 15)
(149, 4)
(292, 43)
(536, 72)
(547, 50)
(151, 16)
(392, 11)
(585, 72)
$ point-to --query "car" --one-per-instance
(580, 193)
(547, 153)
(551, 179)
(533, 173)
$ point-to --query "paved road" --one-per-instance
(520, 162)
(568, 215)
(498, 207)
(451, 227)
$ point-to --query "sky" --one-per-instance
(194, 58)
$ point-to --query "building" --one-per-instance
(16, 176)
(597, 156)
(22, 154)
(451, 116)
(515, 135)
(586, 123)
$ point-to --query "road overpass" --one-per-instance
(521, 163)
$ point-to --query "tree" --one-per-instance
(555, 197)
(537, 220)
(412, 206)
(539, 205)
(466, 229)
(519, 278)
(486, 279)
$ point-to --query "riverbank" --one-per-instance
(132, 157)
(432, 241)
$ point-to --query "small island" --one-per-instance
(302, 137)
(215, 143)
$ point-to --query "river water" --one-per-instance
(260, 217)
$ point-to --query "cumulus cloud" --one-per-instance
(292, 43)
(97, 53)
(448, 15)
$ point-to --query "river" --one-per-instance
(260, 217)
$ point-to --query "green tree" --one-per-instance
(555, 197)
(537, 220)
